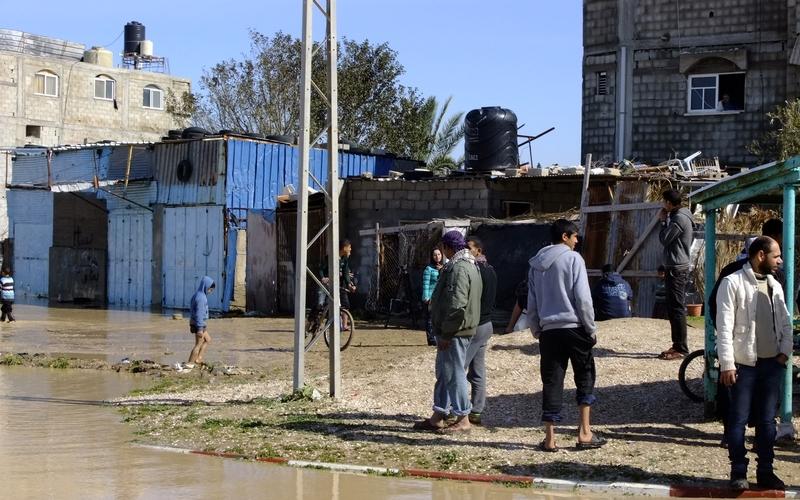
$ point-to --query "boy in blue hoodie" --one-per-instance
(198, 315)
(561, 316)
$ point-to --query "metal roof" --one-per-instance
(747, 184)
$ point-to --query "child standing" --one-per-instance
(6, 295)
(198, 315)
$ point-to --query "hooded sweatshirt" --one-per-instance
(677, 237)
(198, 308)
(558, 291)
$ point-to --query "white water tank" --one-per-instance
(146, 48)
(99, 56)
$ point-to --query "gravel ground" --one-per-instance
(656, 434)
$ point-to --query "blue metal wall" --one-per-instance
(257, 172)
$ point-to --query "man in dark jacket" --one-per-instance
(476, 352)
(455, 312)
(677, 236)
(612, 296)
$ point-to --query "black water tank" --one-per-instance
(134, 34)
(490, 139)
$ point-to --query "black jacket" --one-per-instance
(488, 295)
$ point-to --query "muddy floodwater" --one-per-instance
(58, 440)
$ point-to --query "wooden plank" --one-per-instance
(638, 244)
(587, 168)
(397, 229)
(620, 208)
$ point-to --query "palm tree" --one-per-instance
(443, 136)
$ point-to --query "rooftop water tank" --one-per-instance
(490, 139)
(146, 48)
(99, 56)
(134, 35)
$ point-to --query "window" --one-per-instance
(517, 208)
(104, 87)
(716, 93)
(602, 83)
(153, 97)
(46, 84)
(33, 131)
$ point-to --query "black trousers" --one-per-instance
(557, 348)
(6, 310)
(676, 307)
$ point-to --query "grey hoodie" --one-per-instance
(677, 236)
(558, 291)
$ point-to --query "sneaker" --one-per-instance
(769, 481)
(474, 418)
(738, 483)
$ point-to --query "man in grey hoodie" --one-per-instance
(677, 237)
(561, 316)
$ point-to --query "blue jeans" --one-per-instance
(758, 388)
(476, 365)
(450, 391)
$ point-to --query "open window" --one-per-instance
(716, 93)
(46, 83)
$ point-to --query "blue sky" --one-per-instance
(523, 54)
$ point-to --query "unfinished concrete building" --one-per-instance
(663, 79)
(55, 92)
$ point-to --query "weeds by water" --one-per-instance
(11, 360)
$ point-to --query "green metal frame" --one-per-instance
(784, 175)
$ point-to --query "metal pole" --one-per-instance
(710, 377)
(334, 355)
(785, 428)
(301, 260)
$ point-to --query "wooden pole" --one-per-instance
(585, 192)
(128, 168)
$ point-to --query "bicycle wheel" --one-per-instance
(346, 337)
(690, 376)
(312, 329)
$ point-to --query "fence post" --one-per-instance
(377, 265)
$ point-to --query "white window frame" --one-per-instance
(105, 79)
(45, 74)
(153, 89)
(713, 111)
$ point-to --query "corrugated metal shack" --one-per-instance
(139, 225)
(59, 216)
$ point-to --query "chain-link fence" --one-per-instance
(396, 284)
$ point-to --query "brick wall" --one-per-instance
(75, 116)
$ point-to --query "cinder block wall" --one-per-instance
(74, 115)
(661, 128)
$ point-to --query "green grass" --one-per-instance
(60, 363)
(216, 423)
(696, 322)
(11, 360)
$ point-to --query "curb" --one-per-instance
(615, 488)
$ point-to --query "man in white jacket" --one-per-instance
(754, 345)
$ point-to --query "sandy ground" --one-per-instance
(656, 433)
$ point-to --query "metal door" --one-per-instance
(32, 259)
(193, 247)
(130, 258)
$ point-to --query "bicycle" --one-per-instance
(318, 324)
(690, 375)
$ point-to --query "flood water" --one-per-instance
(57, 440)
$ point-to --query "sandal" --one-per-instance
(593, 444)
(544, 448)
(671, 355)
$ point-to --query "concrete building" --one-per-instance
(665, 79)
(50, 95)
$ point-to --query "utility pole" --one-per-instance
(330, 188)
